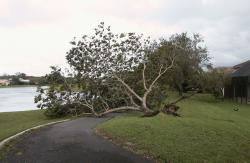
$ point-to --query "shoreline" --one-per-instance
(19, 111)
(17, 86)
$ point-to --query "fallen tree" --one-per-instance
(99, 81)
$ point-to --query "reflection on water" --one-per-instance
(17, 99)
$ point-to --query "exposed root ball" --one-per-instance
(171, 109)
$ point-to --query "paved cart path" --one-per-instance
(69, 142)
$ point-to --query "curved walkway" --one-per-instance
(69, 142)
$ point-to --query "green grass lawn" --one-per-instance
(14, 122)
(208, 131)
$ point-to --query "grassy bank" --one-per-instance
(208, 131)
(14, 122)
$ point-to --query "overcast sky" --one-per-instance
(35, 34)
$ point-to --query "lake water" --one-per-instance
(17, 99)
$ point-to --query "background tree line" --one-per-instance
(15, 79)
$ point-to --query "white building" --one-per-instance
(24, 81)
(4, 82)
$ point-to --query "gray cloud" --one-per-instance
(42, 29)
(223, 23)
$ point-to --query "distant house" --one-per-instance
(239, 88)
(4, 82)
(24, 81)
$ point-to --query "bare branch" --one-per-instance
(91, 108)
(160, 69)
(131, 99)
(105, 104)
(128, 87)
(105, 107)
(143, 76)
(161, 73)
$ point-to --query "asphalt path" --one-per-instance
(69, 142)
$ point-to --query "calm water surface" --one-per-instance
(17, 99)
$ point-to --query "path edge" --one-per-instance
(6, 140)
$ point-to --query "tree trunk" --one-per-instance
(125, 108)
(180, 93)
(144, 103)
(180, 90)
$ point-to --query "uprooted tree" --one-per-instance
(109, 73)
